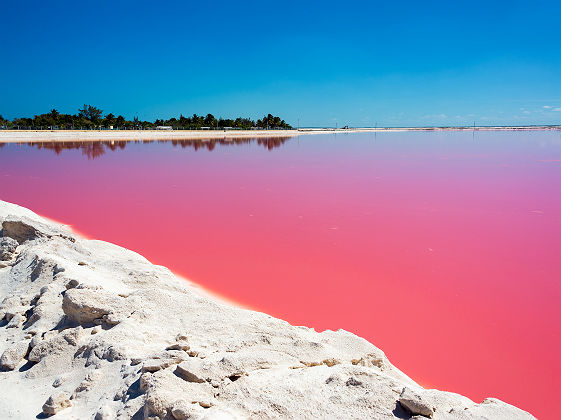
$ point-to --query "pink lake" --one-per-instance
(441, 248)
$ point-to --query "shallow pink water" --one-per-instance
(443, 249)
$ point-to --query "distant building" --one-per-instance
(164, 127)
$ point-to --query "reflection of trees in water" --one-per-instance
(91, 149)
(268, 142)
(95, 149)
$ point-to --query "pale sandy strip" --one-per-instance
(28, 136)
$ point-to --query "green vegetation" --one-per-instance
(90, 117)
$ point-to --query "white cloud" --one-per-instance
(557, 109)
(546, 107)
(435, 116)
(526, 112)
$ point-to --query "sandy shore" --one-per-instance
(22, 136)
(25, 136)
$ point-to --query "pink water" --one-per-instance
(443, 249)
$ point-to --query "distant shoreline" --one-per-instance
(28, 136)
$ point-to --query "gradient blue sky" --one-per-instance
(352, 62)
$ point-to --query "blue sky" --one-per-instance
(324, 63)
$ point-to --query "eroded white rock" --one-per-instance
(85, 306)
(56, 402)
(7, 248)
(415, 403)
(13, 355)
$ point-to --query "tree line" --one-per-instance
(91, 117)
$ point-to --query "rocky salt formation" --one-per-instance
(89, 330)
